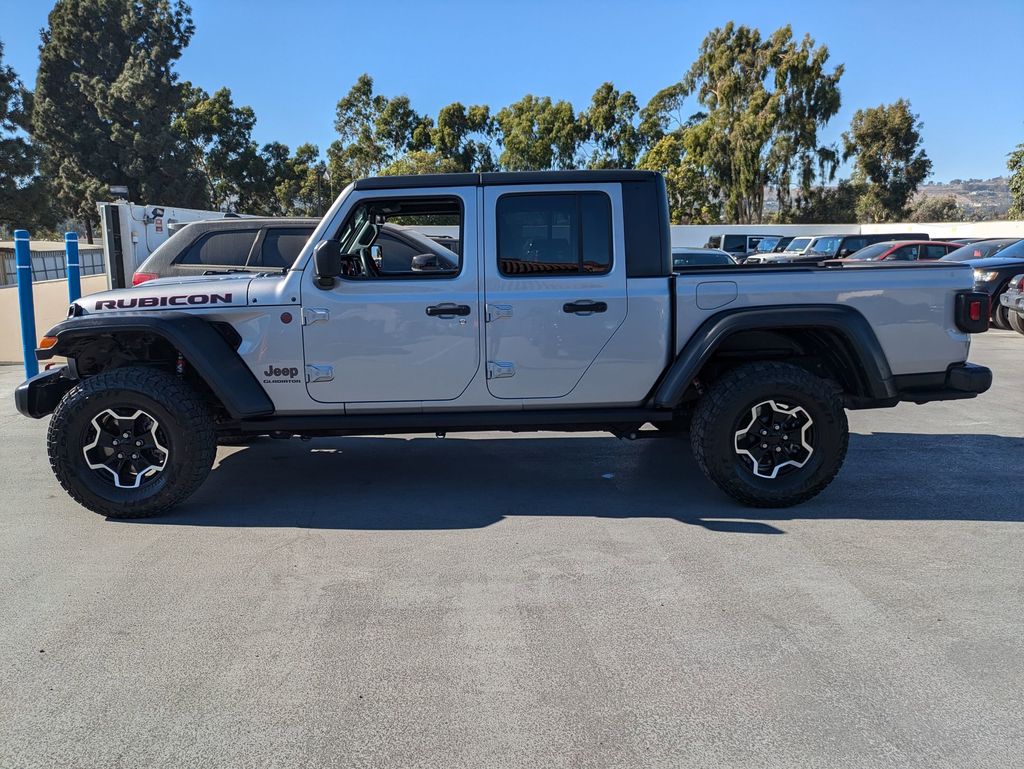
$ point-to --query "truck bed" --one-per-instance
(909, 305)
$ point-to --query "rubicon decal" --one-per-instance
(181, 300)
(280, 374)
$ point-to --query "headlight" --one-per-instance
(984, 276)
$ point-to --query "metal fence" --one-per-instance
(50, 265)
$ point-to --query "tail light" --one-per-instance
(972, 311)
(141, 277)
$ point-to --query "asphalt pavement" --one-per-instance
(531, 601)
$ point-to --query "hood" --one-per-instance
(170, 293)
(995, 261)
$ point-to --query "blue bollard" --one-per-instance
(74, 266)
(23, 263)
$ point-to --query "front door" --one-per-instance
(403, 323)
(554, 285)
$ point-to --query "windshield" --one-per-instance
(797, 245)
(826, 246)
(767, 244)
(1012, 251)
(871, 252)
(979, 250)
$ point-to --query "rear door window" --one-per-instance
(221, 249)
(935, 252)
(554, 234)
(281, 247)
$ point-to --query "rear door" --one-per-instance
(554, 284)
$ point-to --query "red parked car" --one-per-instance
(905, 250)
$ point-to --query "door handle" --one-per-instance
(447, 310)
(584, 307)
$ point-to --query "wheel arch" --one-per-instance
(836, 339)
(208, 350)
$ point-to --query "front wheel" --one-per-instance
(770, 434)
(131, 442)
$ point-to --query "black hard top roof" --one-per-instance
(516, 177)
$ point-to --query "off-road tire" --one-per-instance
(185, 422)
(1016, 321)
(726, 405)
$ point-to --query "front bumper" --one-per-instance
(39, 396)
(961, 380)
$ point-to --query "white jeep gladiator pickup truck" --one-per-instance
(556, 308)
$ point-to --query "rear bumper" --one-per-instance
(39, 396)
(961, 380)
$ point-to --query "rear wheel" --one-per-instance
(131, 442)
(770, 434)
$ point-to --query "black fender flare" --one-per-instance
(874, 377)
(205, 349)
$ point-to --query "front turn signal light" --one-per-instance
(47, 342)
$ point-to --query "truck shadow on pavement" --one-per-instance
(425, 483)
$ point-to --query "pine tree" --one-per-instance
(105, 102)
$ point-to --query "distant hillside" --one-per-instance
(982, 198)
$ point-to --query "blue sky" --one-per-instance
(959, 63)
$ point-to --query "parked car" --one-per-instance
(796, 246)
(841, 246)
(979, 250)
(735, 243)
(1013, 300)
(832, 247)
(770, 244)
(904, 250)
(215, 246)
(701, 257)
(993, 274)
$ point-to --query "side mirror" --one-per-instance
(327, 262)
(433, 263)
(425, 263)
(843, 253)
